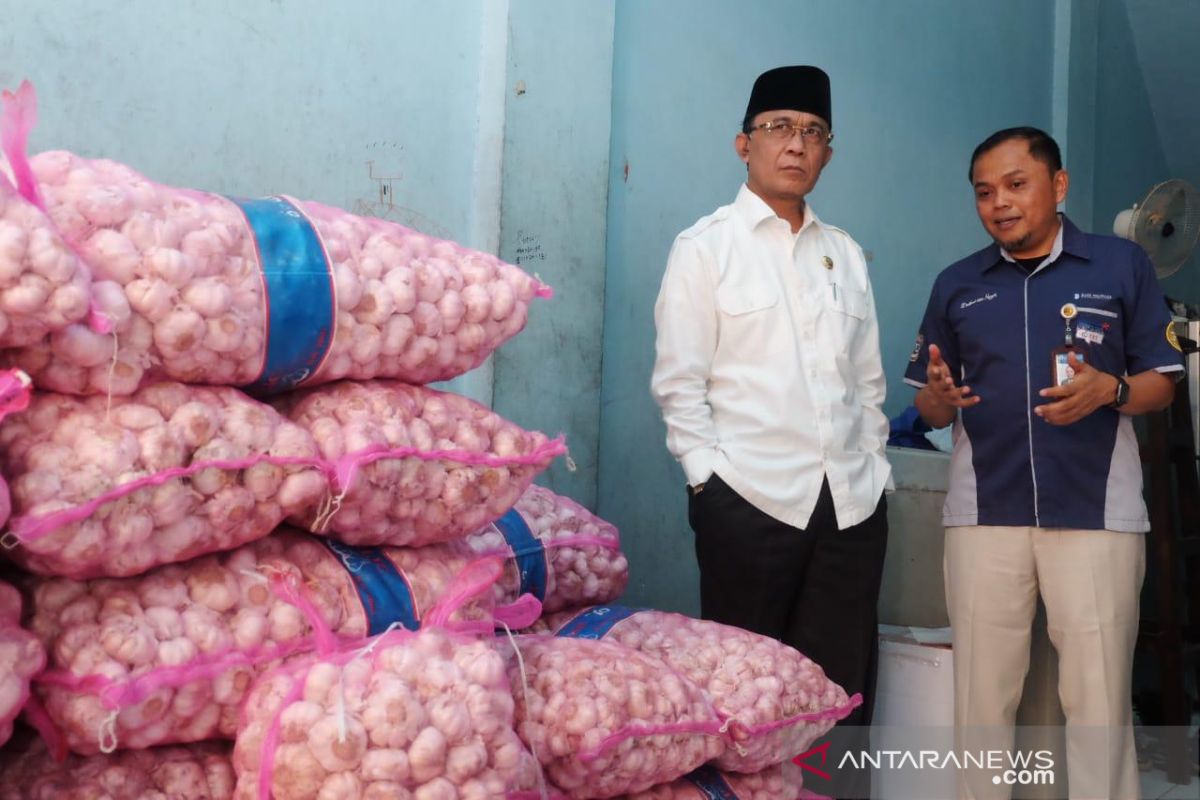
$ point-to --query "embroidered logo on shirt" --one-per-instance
(1173, 337)
(1092, 296)
(984, 298)
(916, 353)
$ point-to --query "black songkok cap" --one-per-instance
(791, 88)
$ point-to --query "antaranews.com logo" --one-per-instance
(1008, 767)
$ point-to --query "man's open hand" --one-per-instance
(940, 383)
(1088, 390)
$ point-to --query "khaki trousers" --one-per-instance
(1089, 581)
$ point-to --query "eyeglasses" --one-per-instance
(784, 130)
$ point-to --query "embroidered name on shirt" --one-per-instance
(1092, 296)
(969, 303)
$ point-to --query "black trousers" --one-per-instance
(815, 589)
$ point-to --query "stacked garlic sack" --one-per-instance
(16, 390)
(424, 714)
(605, 720)
(200, 772)
(414, 465)
(44, 287)
(113, 488)
(775, 700)
(555, 550)
(168, 656)
(21, 657)
(5, 502)
(198, 289)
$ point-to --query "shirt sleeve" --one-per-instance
(685, 318)
(935, 329)
(1147, 318)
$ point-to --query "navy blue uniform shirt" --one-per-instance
(996, 325)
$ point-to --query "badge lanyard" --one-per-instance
(1068, 312)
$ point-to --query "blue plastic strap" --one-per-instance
(712, 784)
(299, 293)
(385, 595)
(527, 551)
(595, 622)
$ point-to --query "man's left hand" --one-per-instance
(1088, 390)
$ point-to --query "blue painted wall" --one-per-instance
(262, 97)
(554, 201)
(916, 86)
(1147, 119)
(1073, 105)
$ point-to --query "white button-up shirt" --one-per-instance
(768, 369)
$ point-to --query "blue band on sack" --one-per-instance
(527, 551)
(385, 595)
(299, 293)
(712, 784)
(595, 622)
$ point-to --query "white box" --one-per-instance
(914, 711)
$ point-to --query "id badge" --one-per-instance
(1062, 373)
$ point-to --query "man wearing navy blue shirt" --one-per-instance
(1039, 349)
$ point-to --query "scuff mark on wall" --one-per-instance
(384, 205)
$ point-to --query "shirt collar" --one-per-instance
(1069, 239)
(754, 211)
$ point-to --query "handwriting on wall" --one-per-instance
(529, 249)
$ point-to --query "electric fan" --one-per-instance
(1166, 224)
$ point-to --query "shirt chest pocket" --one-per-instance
(752, 319)
(846, 301)
(742, 299)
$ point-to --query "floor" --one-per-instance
(1155, 785)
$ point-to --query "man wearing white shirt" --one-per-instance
(771, 384)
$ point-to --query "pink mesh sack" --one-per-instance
(268, 294)
(44, 287)
(775, 700)
(198, 772)
(169, 656)
(709, 783)
(16, 389)
(5, 502)
(21, 657)
(605, 720)
(555, 550)
(116, 487)
(413, 465)
(424, 714)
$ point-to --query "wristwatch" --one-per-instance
(1122, 396)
